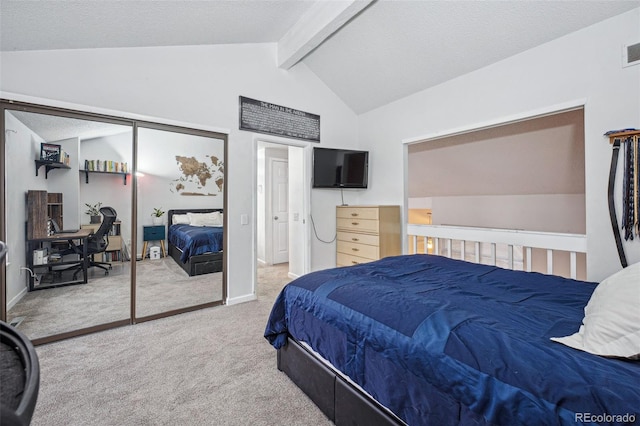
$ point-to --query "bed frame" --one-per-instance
(200, 264)
(339, 400)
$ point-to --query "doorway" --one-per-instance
(281, 206)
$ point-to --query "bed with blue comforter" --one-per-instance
(194, 240)
(197, 249)
(440, 341)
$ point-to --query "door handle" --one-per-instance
(275, 218)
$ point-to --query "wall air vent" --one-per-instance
(631, 54)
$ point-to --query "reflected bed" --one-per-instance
(197, 249)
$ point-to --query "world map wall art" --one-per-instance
(197, 177)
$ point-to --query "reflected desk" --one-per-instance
(57, 274)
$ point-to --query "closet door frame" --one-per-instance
(118, 118)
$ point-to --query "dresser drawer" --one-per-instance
(153, 233)
(358, 212)
(360, 250)
(343, 259)
(354, 237)
(357, 225)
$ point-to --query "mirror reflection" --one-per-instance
(68, 222)
(180, 200)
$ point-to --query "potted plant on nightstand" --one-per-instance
(157, 216)
(94, 212)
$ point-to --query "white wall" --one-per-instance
(23, 147)
(199, 85)
(109, 190)
(585, 65)
(261, 195)
(546, 213)
(297, 235)
(295, 156)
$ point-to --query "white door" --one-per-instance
(280, 210)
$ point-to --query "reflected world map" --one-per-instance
(196, 176)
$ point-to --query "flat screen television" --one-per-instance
(340, 168)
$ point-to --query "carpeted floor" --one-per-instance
(161, 286)
(209, 367)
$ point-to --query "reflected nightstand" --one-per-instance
(153, 233)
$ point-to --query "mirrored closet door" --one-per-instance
(180, 215)
(68, 220)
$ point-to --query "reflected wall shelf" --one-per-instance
(49, 165)
(86, 174)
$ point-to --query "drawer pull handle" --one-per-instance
(354, 214)
(355, 249)
(355, 223)
(354, 262)
(355, 239)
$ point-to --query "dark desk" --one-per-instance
(46, 270)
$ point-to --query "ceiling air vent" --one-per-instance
(631, 55)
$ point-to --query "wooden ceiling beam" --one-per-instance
(314, 27)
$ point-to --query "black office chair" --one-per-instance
(97, 243)
(19, 373)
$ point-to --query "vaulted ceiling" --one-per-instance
(369, 53)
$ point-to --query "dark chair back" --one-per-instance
(3, 250)
(19, 375)
(99, 241)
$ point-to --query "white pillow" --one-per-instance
(205, 219)
(611, 324)
(180, 219)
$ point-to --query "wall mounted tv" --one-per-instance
(340, 168)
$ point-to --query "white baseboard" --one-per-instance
(262, 262)
(16, 299)
(241, 299)
(292, 276)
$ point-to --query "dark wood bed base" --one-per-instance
(202, 263)
(339, 400)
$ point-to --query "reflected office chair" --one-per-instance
(97, 243)
(19, 373)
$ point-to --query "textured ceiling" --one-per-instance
(388, 51)
(53, 128)
(73, 24)
(394, 49)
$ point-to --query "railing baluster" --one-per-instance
(529, 240)
(510, 255)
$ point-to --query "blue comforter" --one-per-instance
(442, 341)
(193, 240)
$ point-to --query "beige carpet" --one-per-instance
(209, 367)
(161, 286)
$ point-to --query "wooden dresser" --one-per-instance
(366, 233)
